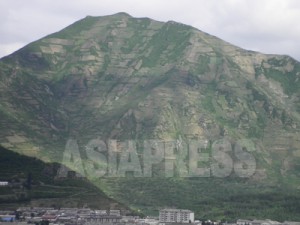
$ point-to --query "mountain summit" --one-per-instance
(123, 78)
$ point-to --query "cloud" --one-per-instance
(269, 26)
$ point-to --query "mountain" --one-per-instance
(204, 124)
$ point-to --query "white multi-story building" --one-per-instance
(176, 216)
(3, 183)
(114, 212)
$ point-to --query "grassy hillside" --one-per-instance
(224, 199)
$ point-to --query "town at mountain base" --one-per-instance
(223, 122)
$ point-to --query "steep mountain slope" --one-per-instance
(123, 78)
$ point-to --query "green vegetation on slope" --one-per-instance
(118, 77)
(224, 199)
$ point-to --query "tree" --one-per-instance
(29, 181)
(18, 215)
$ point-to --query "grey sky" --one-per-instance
(268, 26)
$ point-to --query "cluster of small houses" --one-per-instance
(67, 216)
(86, 216)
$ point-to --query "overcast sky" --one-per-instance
(268, 26)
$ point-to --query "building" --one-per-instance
(100, 219)
(176, 216)
(114, 212)
(50, 217)
(3, 183)
(291, 223)
(265, 222)
(7, 218)
(259, 222)
(243, 222)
